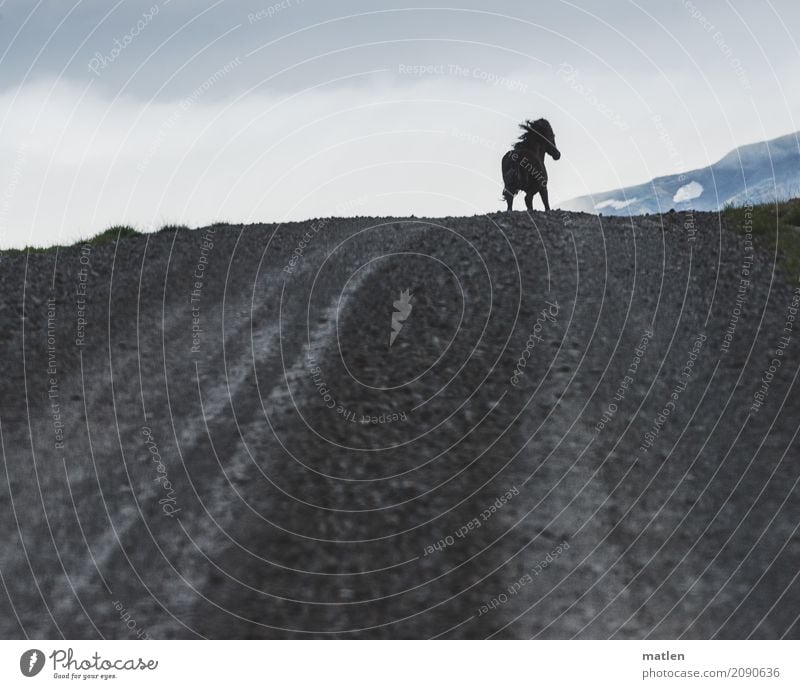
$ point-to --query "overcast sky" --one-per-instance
(192, 111)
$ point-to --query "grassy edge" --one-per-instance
(766, 221)
(112, 234)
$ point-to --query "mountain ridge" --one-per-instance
(759, 172)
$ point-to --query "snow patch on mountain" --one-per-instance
(614, 203)
(688, 192)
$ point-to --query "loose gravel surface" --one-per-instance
(584, 427)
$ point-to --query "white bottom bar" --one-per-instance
(403, 664)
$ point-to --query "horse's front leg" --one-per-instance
(509, 197)
(545, 199)
(529, 200)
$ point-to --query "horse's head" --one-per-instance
(539, 132)
(545, 132)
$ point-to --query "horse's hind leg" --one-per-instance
(529, 201)
(509, 197)
(545, 199)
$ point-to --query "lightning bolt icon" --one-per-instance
(403, 308)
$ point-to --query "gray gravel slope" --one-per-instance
(324, 483)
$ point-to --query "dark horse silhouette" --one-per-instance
(523, 166)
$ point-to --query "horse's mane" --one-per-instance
(534, 133)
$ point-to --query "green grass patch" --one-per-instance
(768, 221)
(8, 253)
(109, 235)
(112, 234)
(172, 228)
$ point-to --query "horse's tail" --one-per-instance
(510, 179)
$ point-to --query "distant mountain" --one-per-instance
(757, 172)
